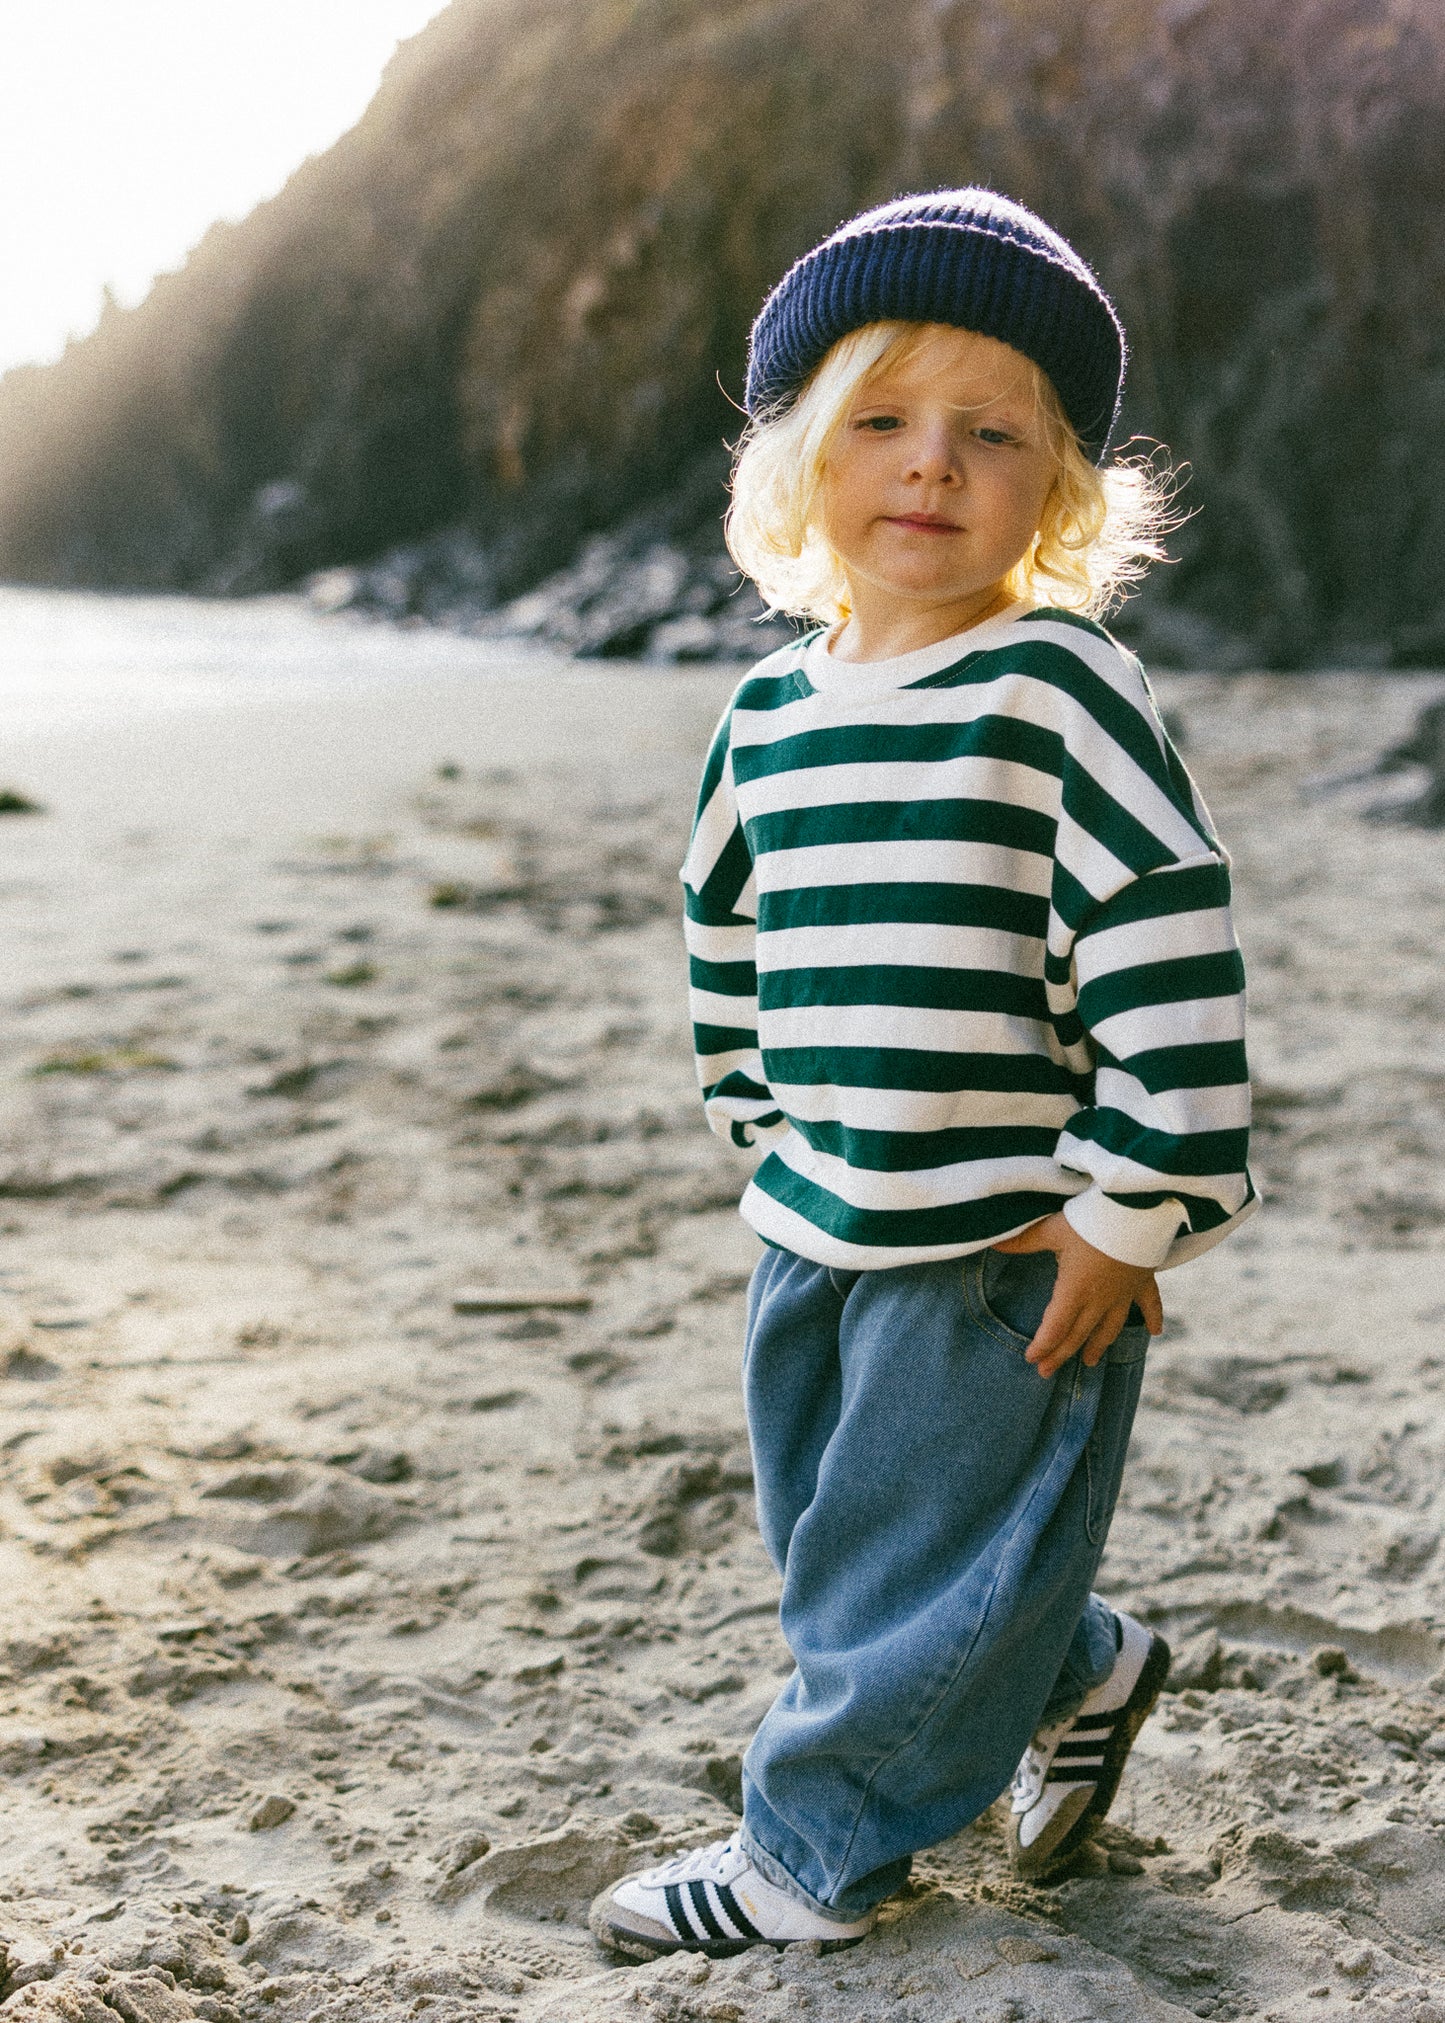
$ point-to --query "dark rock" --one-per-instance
(492, 336)
(1423, 751)
(1198, 1664)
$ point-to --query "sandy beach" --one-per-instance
(351, 1641)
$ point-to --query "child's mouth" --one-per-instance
(924, 523)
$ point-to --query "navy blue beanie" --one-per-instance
(966, 257)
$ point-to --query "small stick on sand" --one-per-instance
(485, 1300)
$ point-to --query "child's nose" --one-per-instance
(934, 457)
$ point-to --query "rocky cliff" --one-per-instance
(493, 334)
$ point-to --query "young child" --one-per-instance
(964, 970)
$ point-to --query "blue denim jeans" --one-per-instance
(937, 1511)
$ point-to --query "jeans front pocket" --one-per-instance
(1008, 1292)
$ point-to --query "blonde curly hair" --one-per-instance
(1100, 528)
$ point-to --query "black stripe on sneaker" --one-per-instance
(734, 1910)
(680, 1921)
(702, 1910)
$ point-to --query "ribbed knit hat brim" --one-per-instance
(969, 258)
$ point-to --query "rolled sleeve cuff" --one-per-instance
(1139, 1236)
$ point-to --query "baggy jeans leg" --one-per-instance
(938, 1511)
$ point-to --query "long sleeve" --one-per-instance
(1156, 985)
(720, 927)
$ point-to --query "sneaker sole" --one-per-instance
(1137, 1709)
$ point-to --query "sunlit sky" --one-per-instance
(128, 126)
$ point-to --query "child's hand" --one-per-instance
(1091, 1300)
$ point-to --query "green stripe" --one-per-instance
(1208, 1064)
(916, 1068)
(987, 737)
(739, 1084)
(1055, 614)
(1177, 981)
(1201, 888)
(1194, 1153)
(713, 766)
(766, 691)
(916, 985)
(727, 979)
(711, 916)
(1073, 902)
(1069, 1029)
(932, 904)
(960, 1222)
(918, 1151)
(1202, 1212)
(1099, 815)
(943, 821)
(710, 1040)
(720, 890)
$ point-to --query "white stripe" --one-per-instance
(1177, 1111)
(1128, 1176)
(930, 1187)
(719, 1911)
(1084, 857)
(718, 944)
(905, 862)
(902, 1025)
(900, 942)
(721, 1008)
(1169, 938)
(716, 824)
(713, 1067)
(1185, 1022)
(968, 777)
(921, 1109)
(691, 1926)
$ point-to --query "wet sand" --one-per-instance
(351, 1642)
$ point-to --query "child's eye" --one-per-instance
(995, 436)
(880, 424)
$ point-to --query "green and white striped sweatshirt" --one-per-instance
(961, 953)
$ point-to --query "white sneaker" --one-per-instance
(1070, 1771)
(711, 1901)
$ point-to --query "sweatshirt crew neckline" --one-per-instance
(857, 677)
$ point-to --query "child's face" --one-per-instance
(936, 481)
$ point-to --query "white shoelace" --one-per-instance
(1028, 1779)
(702, 1864)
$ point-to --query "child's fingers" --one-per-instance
(1106, 1333)
(1151, 1305)
(1086, 1330)
(1064, 1329)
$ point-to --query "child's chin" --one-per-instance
(924, 588)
